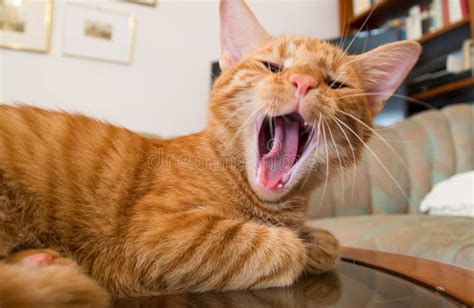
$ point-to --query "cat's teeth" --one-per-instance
(305, 124)
(280, 185)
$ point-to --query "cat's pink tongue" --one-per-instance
(280, 159)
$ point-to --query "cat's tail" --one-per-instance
(55, 285)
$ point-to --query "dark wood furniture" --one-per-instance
(363, 278)
(381, 12)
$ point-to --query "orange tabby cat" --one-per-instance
(218, 210)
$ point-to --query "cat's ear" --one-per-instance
(240, 31)
(383, 70)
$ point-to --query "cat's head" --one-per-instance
(294, 109)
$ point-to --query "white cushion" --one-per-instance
(452, 197)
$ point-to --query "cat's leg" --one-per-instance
(44, 278)
(323, 250)
(217, 254)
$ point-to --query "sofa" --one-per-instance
(378, 208)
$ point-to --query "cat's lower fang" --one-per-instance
(286, 177)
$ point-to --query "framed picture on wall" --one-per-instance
(96, 33)
(25, 24)
(145, 2)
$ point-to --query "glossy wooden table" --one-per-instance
(363, 278)
(452, 281)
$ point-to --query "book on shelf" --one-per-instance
(472, 58)
(445, 11)
(426, 19)
(460, 60)
(414, 27)
(455, 10)
(455, 62)
(436, 15)
(467, 50)
(464, 8)
(358, 6)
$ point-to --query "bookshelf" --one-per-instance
(445, 88)
(444, 30)
(380, 13)
(375, 16)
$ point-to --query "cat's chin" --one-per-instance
(284, 146)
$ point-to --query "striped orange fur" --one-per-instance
(145, 216)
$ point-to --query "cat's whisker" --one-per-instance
(360, 29)
(344, 52)
(315, 125)
(337, 79)
(341, 169)
(408, 98)
(354, 175)
(311, 134)
(388, 128)
(393, 140)
(378, 135)
(323, 193)
(383, 128)
(342, 40)
(272, 119)
(376, 158)
(350, 61)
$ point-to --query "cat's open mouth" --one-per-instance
(284, 144)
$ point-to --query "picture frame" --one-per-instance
(99, 34)
(26, 25)
(143, 2)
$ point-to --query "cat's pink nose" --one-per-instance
(303, 83)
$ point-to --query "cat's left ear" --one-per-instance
(383, 70)
(240, 32)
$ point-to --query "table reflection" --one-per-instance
(351, 285)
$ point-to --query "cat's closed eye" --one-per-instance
(336, 84)
(272, 67)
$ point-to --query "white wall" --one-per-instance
(165, 90)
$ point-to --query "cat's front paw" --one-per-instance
(322, 248)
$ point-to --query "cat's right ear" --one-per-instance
(240, 32)
(384, 68)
